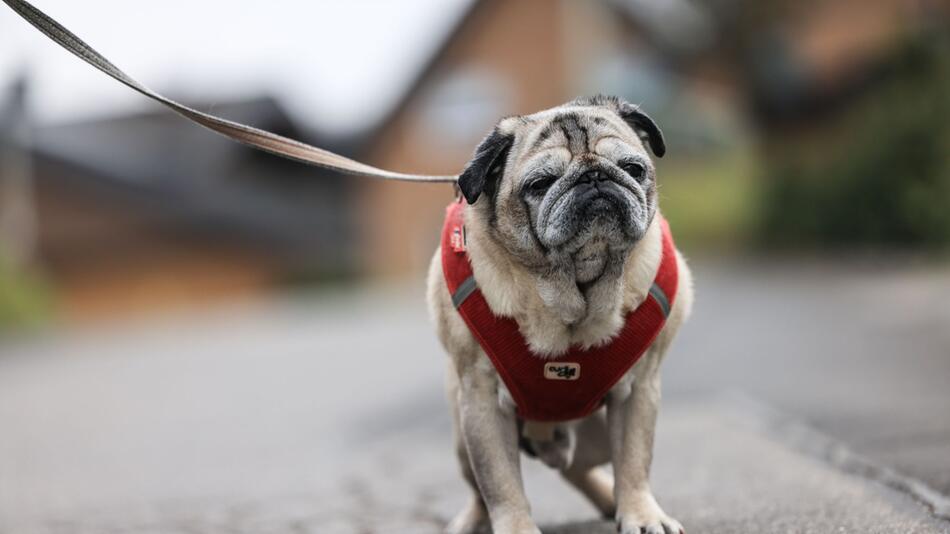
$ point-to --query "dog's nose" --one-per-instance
(592, 176)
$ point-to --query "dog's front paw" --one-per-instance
(644, 516)
(515, 525)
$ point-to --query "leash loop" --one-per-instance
(242, 133)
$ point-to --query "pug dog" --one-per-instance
(567, 261)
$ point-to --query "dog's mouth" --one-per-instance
(598, 200)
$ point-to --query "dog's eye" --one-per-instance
(634, 169)
(540, 185)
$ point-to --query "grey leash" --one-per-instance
(242, 133)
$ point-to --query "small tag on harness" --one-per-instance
(562, 371)
(458, 238)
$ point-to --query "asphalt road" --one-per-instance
(324, 413)
(861, 351)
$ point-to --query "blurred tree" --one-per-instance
(879, 173)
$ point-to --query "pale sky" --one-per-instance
(335, 64)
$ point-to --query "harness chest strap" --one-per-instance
(570, 386)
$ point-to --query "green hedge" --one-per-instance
(880, 174)
(24, 299)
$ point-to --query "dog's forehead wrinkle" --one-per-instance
(573, 130)
(577, 134)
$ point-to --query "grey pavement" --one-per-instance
(324, 413)
(860, 351)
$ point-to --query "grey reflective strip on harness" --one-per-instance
(661, 299)
(466, 288)
(261, 139)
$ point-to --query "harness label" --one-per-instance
(562, 371)
(458, 238)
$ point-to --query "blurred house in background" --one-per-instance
(145, 210)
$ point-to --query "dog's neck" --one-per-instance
(553, 310)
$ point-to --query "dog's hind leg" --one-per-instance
(473, 517)
(588, 472)
(597, 484)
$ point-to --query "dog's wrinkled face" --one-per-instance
(572, 186)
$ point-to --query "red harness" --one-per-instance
(569, 386)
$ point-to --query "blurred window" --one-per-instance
(463, 106)
(636, 78)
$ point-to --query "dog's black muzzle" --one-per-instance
(597, 195)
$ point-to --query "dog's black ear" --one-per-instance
(644, 126)
(483, 172)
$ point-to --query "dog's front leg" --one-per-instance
(632, 420)
(491, 437)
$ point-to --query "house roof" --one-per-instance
(184, 175)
